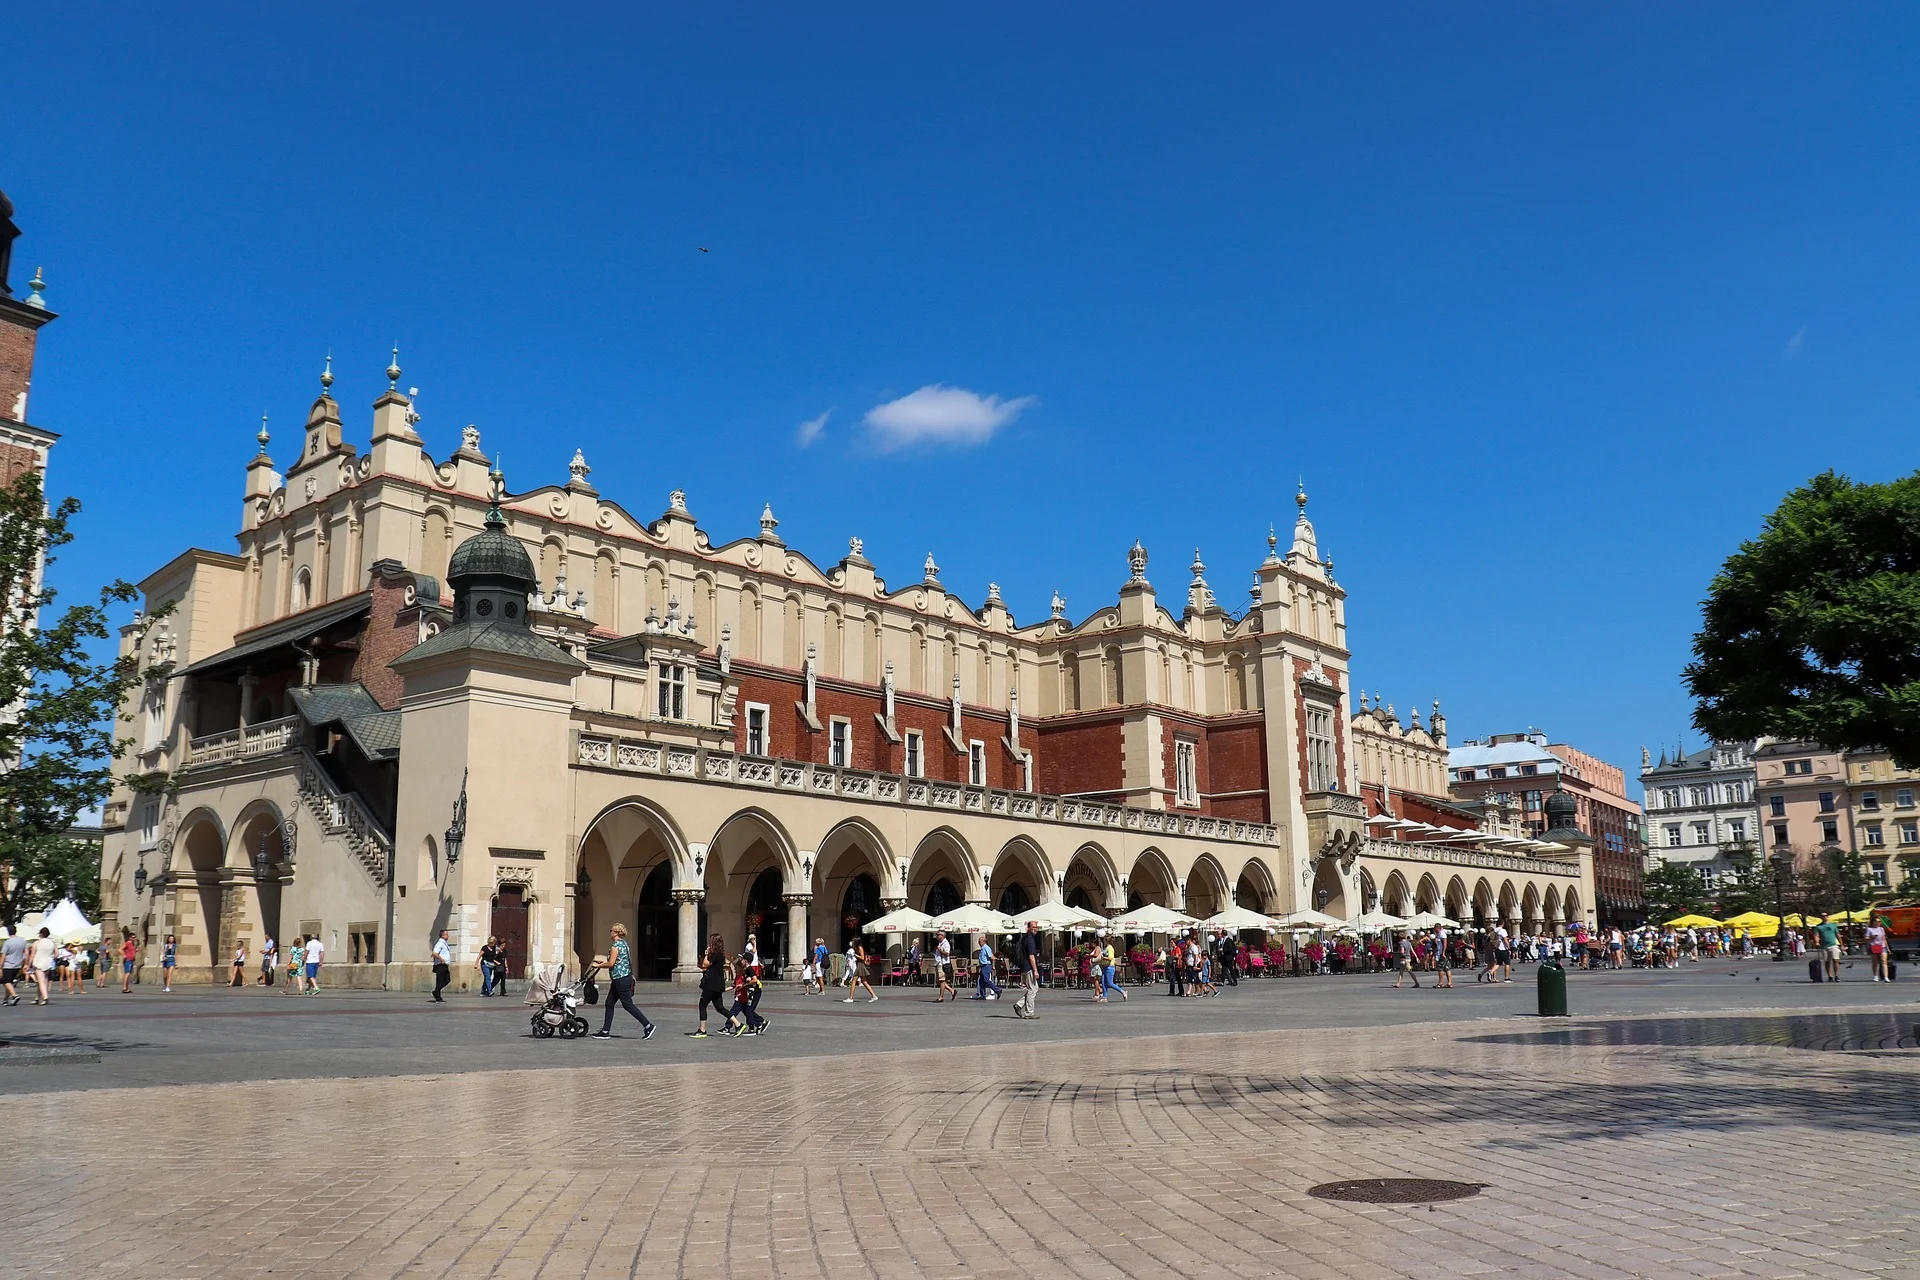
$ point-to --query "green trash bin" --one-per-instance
(1552, 980)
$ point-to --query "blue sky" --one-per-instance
(1548, 304)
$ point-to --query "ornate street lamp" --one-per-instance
(583, 883)
(1782, 863)
(260, 859)
(457, 829)
(140, 878)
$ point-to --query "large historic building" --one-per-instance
(410, 700)
(1701, 809)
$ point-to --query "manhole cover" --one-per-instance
(1395, 1190)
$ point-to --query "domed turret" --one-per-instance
(491, 573)
(1562, 812)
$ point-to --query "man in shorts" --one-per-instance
(1502, 970)
(1442, 959)
(1829, 935)
(315, 953)
(820, 966)
(13, 958)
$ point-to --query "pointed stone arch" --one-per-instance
(1395, 899)
(1151, 880)
(1022, 864)
(1571, 907)
(1255, 889)
(1482, 904)
(1426, 895)
(1458, 905)
(1208, 892)
(943, 863)
(1506, 903)
(851, 847)
(1530, 908)
(1369, 893)
(1550, 909)
(1092, 875)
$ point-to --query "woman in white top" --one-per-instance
(269, 958)
(1877, 949)
(40, 960)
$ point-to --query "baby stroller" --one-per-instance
(558, 1004)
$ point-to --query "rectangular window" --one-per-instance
(977, 763)
(1707, 877)
(840, 744)
(1535, 799)
(1703, 833)
(1800, 766)
(756, 729)
(1466, 775)
(673, 691)
(149, 824)
(1529, 770)
(1874, 836)
(1186, 774)
(1321, 774)
(1777, 806)
(1736, 792)
(1829, 831)
(1826, 802)
(1780, 833)
(1737, 830)
(1673, 835)
(1878, 870)
(156, 716)
(916, 754)
(1702, 797)
(1870, 801)
(1496, 773)
(1910, 833)
(1903, 798)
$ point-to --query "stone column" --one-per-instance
(798, 941)
(686, 968)
(248, 681)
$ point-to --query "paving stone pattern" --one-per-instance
(1186, 1155)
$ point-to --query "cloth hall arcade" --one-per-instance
(410, 699)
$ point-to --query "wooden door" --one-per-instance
(510, 926)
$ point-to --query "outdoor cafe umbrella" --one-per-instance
(1375, 922)
(69, 924)
(902, 920)
(1430, 920)
(1302, 921)
(1699, 922)
(1054, 916)
(1234, 919)
(974, 917)
(1151, 918)
(1758, 924)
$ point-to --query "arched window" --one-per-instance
(1069, 684)
(942, 898)
(1014, 899)
(1236, 682)
(1116, 689)
(859, 904)
(302, 590)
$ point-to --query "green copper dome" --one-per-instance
(492, 553)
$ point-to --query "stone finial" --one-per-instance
(768, 522)
(578, 468)
(1199, 569)
(993, 594)
(1300, 498)
(470, 438)
(263, 437)
(326, 376)
(677, 502)
(1059, 606)
(393, 369)
(856, 549)
(1136, 563)
(37, 287)
(932, 571)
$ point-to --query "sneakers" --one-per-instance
(848, 1000)
(992, 996)
(735, 1028)
(873, 999)
(765, 1023)
(602, 1035)
(696, 1035)
(646, 1032)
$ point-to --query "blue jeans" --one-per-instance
(985, 984)
(1107, 983)
(486, 979)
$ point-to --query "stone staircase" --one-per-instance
(342, 815)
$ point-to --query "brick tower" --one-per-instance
(21, 445)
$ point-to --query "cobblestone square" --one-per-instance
(1162, 1137)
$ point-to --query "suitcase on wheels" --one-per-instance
(1816, 968)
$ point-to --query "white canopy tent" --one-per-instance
(975, 918)
(1310, 919)
(68, 923)
(1052, 916)
(1430, 920)
(1375, 922)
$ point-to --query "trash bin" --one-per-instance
(1552, 987)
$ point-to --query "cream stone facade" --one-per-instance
(635, 724)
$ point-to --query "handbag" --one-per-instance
(592, 992)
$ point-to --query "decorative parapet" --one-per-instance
(728, 768)
(1411, 851)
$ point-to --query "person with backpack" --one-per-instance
(746, 994)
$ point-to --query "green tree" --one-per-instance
(1811, 631)
(1750, 888)
(1673, 889)
(58, 700)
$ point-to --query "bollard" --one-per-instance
(1552, 981)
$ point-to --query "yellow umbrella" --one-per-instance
(1757, 924)
(1851, 917)
(1693, 922)
(1794, 920)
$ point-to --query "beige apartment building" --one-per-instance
(1884, 819)
(1804, 805)
(409, 700)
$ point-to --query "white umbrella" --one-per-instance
(1234, 919)
(1374, 922)
(1310, 919)
(1429, 920)
(1151, 918)
(974, 917)
(1058, 915)
(904, 920)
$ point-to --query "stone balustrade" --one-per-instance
(1421, 851)
(267, 738)
(729, 768)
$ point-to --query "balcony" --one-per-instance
(728, 768)
(268, 738)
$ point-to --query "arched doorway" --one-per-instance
(859, 904)
(197, 863)
(767, 918)
(1014, 899)
(943, 895)
(509, 924)
(1079, 899)
(1329, 891)
(656, 934)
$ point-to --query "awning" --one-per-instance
(264, 640)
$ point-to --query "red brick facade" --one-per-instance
(1234, 769)
(16, 356)
(1082, 754)
(385, 638)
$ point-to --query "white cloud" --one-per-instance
(943, 415)
(1795, 342)
(812, 429)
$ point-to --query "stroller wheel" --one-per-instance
(573, 1028)
(542, 1030)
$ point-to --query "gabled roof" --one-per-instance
(330, 703)
(263, 640)
(377, 735)
(490, 637)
